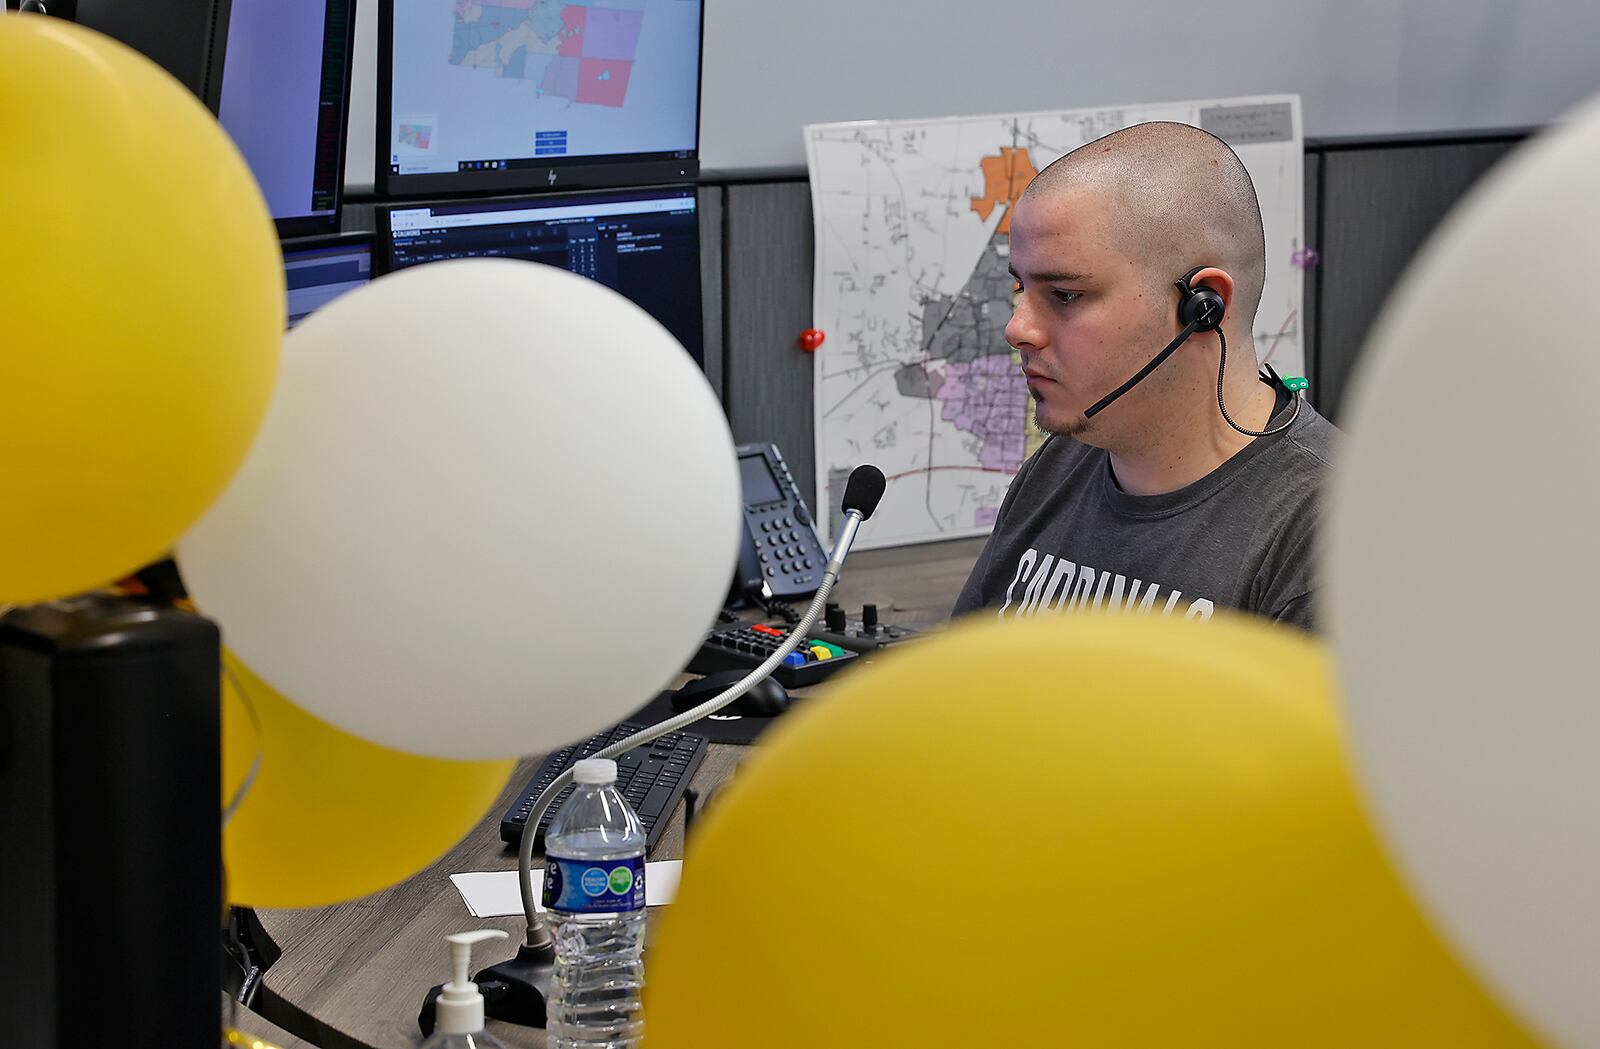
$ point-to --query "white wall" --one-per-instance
(1361, 66)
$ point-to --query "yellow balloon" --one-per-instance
(330, 817)
(141, 309)
(1095, 831)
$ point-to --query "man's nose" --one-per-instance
(1022, 330)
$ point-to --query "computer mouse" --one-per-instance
(767, 699)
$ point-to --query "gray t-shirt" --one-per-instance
(1067, 538)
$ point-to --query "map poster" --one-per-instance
(911, 287)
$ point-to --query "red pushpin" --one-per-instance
(810, 339)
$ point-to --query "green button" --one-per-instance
(1295, 383)
(835, 650)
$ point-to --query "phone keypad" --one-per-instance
(789, 551)
(790, 554)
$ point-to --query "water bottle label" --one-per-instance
(579, 886)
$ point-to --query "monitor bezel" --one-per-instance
(559, 176)
(347, 239)
(300, 226)
(337, 242)
(188, 39)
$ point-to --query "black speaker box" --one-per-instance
(110, 836)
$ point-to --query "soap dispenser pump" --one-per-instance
(459, 1023)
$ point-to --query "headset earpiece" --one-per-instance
(1198, 304)
(1200, 309)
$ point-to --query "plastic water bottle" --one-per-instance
(594, 891)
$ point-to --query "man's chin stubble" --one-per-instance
(1074, 426)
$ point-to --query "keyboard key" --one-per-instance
(651, 778)
(656, 800)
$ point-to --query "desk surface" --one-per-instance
(354, 975)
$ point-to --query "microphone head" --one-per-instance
(863, 491)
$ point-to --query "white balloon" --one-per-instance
(494, 508)
(1463, 575)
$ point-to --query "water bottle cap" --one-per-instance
(595, 770)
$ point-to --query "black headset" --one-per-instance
(1200, 308)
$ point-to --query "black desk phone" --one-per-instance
(783, 558)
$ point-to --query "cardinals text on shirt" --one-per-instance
(1049, 583)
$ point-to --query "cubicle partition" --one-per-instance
(1369, 208)
(1369, 204)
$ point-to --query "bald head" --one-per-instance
(1176, 197)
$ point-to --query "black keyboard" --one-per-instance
(652, 777)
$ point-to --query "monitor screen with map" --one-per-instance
(529, 95)
(644, 244)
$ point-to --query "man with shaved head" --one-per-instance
(1175, 488)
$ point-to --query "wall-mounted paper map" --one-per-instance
(911, 287)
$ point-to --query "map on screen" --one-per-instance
(479, 85)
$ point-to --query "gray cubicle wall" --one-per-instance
(1370, 203)
(768, 261)
(1379, 200)
(767, 244)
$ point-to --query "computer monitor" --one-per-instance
(184, 37)
(644, 244)
(535, 95)
(285, 99)
(318, 270)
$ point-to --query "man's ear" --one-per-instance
(1220, 281)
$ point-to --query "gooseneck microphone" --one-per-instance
(862, 493)
(518, 985)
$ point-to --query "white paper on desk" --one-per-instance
(494, 894)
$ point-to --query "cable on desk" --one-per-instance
(776, 609)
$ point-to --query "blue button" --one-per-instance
(794, 659)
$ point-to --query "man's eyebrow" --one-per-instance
(1051, 278)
